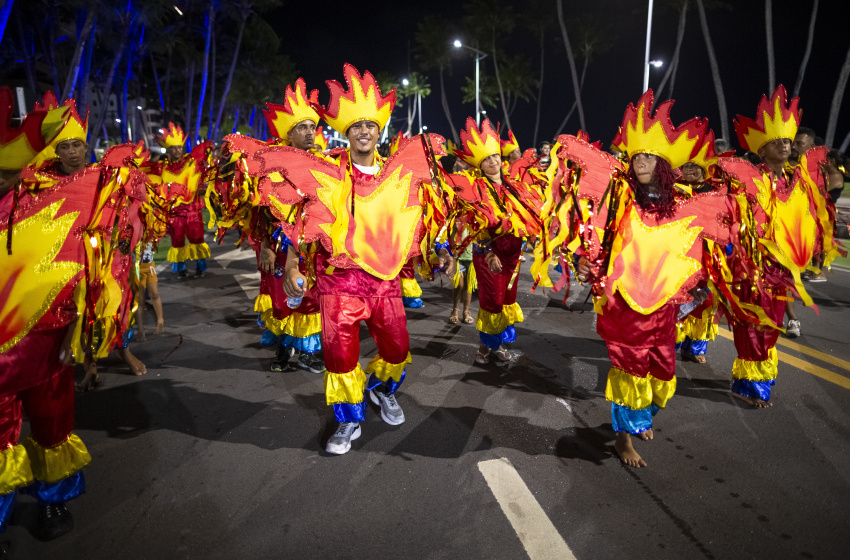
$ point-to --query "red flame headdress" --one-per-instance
(297, 107)
(19, 146)
(776, 119)
(509, 145)
(321, 140)
(361, 102)
(477, 144)
(643, 133)
(706, 157)
(76, 127)
(172, 136)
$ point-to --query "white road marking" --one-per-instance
(225, 259)
(539, 537)
(565, 403)
(250, 284)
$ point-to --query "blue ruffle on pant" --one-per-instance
(625, 419)
(493, 341)
(412, 302)
(347, 412)
(310, 344)
(753, 389)
(390, 386)
(56, 492)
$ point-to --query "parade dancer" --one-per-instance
(185, 174)
(642, 250)
(357, 220)
(789, 219)
(293, 124)
(499, 213)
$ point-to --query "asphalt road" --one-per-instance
(212, 456)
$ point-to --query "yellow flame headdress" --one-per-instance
(297, 107)
(509, 145)
(706, 157)
(76, 127)
(776, 119)
(172, 136)
(361, 102)
(477, 144)
(20, 145)
(321, 140)
(643, 133)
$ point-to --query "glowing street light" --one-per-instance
(478, 56)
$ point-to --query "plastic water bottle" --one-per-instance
(294, 302)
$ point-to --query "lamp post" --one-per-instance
(646, 53)
(479, 55)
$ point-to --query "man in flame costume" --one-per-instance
(641, 247)
(496, 213)
(64, 285)
(293, 124)
(356, 220)
(183, 177)
(789, 220)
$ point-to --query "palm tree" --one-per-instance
(209, 21)
(682, 7)
(837, 96)
(572, 61)
(537, 22)
(5, 10)
(433, 50)
(417, 87)
(75, 66)
(715, 71)
(808, 50)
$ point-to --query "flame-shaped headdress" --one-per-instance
(76, 127)
(509, 145)
(706, 157)
(361, 102)
(19, 146)
(297, 107)
(776, 119)
(172, 136)
(321, 141)
(642, 133)
(477, 144)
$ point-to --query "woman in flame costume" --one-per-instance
(183, 178)
(697, 324)
(788, 222)
(62, 282)
(642, 250)
(499, 213)
(357, 220)
(293, 124)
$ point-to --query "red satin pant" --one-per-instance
(341, 316)
(49, 407)
(186, 223)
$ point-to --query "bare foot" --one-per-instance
(89, 382)
(136, 366)
(160, 328)
(755, 402)
(627, 452)
(141, 336)
(646, 436)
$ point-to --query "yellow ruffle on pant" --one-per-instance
(703, 328)
(300, 325)
(496, 323)
(56, 463)
(384, 370)
(765, 370)
(635, 392)
(410, 288)
(15, 469)
(345, 387)
(189, 252)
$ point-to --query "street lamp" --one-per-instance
(478, 56)
(646, 53)
(654, 64)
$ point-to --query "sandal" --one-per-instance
(453, 317)
(482, 358)
(502, 355)
(467, 318)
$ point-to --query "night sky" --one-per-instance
(379, 38)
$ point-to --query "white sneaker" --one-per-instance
(391, 412)
(793, 329)
(340, 442)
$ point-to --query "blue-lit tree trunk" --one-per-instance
(76, 61)
(125, 123)
(27, 46)
(212, 91)
(83, 96)
(190, 70)
(5, 10)
(205, 75)
(158, 85)
(229, 80)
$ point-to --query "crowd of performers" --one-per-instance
(668, 234)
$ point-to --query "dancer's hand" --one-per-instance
(290, 283)
(267, 260)
(583, 269)
(494, 263)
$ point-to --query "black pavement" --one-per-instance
(212, 456)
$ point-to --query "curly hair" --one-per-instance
(665, 178)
